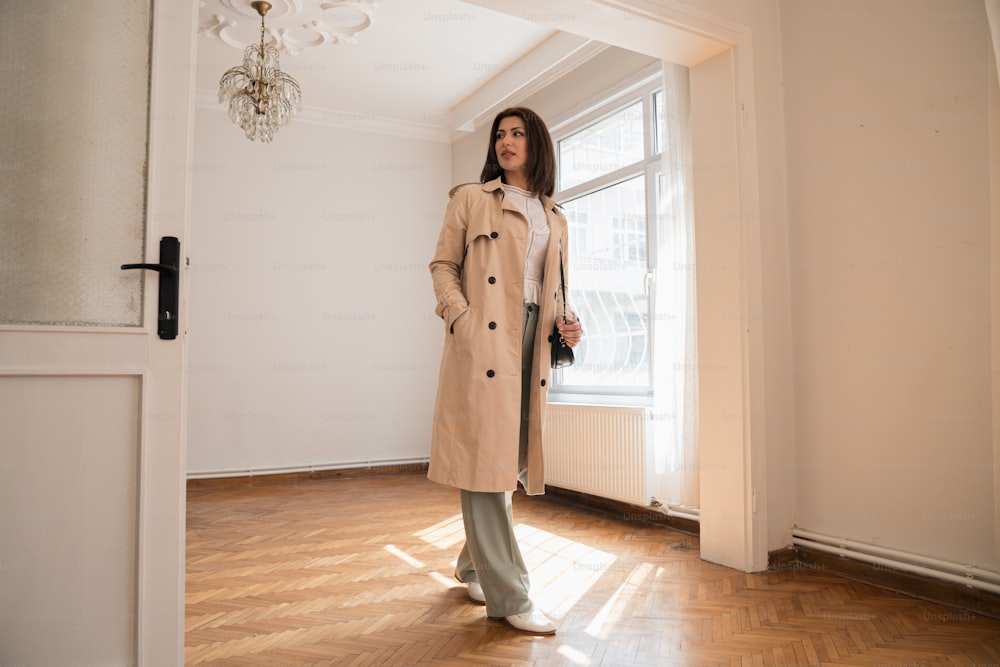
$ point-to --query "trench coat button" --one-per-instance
(493, 325)
(490, 373)
(543, 383)
(551, 339)
(491, 280)
(493, 235)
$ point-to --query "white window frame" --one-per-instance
(649, 166)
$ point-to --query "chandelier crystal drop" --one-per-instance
(261, 97)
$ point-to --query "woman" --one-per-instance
(496, 274)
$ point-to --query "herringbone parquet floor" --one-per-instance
(358, 571)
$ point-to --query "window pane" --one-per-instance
(659, 126)
(601, 148)
(607, 288)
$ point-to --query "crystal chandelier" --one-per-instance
(261, 97)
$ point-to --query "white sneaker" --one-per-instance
(475, 591)
(533, 621)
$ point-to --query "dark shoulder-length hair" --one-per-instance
(541, 164)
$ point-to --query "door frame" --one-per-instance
(163, 462)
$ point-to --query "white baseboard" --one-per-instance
(306, 468)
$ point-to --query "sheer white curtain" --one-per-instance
(675, 377)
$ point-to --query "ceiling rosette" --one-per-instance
(293, 25)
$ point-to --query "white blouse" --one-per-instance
(530, 205)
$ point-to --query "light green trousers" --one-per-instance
(491, 554)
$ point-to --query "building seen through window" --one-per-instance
(606, 170)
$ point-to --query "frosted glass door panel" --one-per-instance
(73, 162)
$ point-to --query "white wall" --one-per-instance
(313, 337)
(875, 265)
(889, 202)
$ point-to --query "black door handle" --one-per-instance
(162, 268)
(169, 269)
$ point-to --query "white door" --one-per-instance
(94, 154)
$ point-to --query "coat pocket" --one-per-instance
(460, 320)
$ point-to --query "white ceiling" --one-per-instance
(415, 63)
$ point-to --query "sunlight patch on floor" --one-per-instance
(615, 608)
(561, 570)
(444, 534)
(447, 582)
(403, 556)
(575, 657)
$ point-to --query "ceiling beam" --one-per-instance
(554, 57)
(684, 36)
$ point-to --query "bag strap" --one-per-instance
(562, 280)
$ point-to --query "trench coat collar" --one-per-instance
(497, 184)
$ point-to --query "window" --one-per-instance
(608, 163)
(607, 145)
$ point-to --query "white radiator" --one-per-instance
(600, 450)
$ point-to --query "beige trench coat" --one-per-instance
(478, 275)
